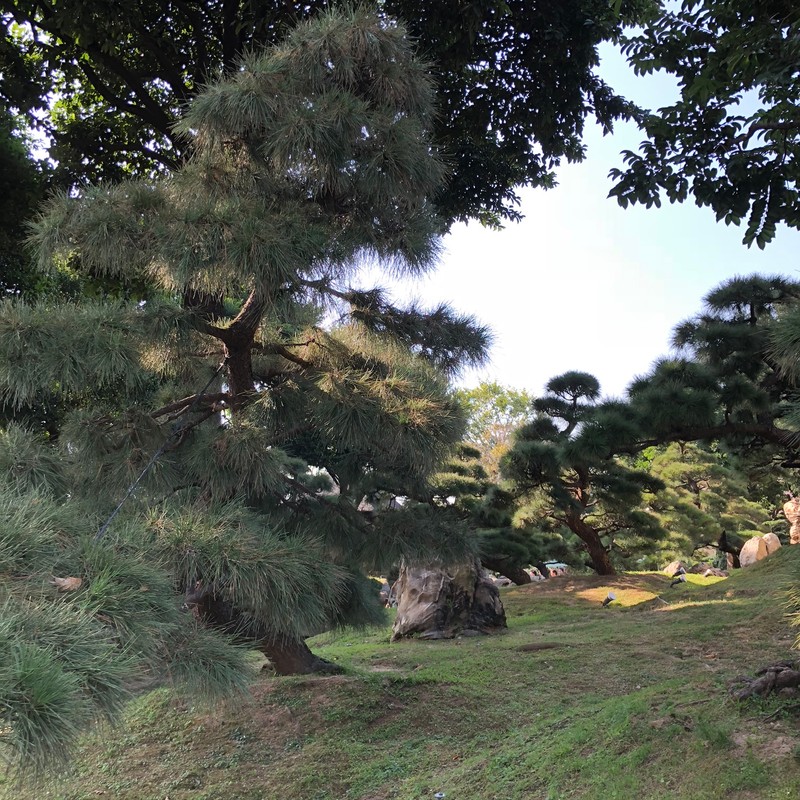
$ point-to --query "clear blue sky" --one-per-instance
(583, 284)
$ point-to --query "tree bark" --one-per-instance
(291, 656)
(601, 560)
(514, 573)
(240, 374)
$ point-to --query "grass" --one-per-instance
(573, 701)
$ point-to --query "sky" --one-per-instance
(582, 284)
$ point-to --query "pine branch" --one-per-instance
(184, 404)
(764, 431)
(187, 427)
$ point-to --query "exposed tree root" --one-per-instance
(782, 679)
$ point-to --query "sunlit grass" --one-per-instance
(575, 702)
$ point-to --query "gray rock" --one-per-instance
(437, 602)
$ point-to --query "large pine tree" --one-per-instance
(243, 410)
(562, 464)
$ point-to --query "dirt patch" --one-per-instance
(768, 747)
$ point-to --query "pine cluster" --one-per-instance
(244, 407)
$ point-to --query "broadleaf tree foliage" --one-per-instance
(493, 412)
(21, 189)
(311, 157)
(516, 81)
(732, 138)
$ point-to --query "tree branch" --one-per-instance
(170, 74)
(744, 138)
(764, 431)
(202, 64)
(185, 429)
(284, 352)
(146, 114)
(183, 405)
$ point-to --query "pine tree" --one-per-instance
(463, 493)
(725, 385)
(706, 494)
(733, 383)
(563, 464)
(243, 410)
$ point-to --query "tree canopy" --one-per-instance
(709, 496)
(516, 81)
(21, 189)
(732, 139)
(493, 413)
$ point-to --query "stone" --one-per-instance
(791, 510)
(753, 550)
(673, 568)
(440, 603)
(772, 542)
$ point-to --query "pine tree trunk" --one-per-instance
(514, 573)
(291, 656)
(601, 560)
(240, 374)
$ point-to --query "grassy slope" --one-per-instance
(575, 701)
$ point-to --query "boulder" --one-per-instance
(440, 603)
(673, 568)
(791, 510)
(754, 550)
(772, 542)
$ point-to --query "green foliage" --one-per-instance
(706, 493)
(563, 466)
(69, 656)
(493, 412)
(727, 382)
(123, 75)
(21, 189)
(731, 139)
(243, 500)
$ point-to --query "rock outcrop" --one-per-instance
(441, 603)
(673, 568)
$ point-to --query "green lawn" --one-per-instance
(574, 701)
